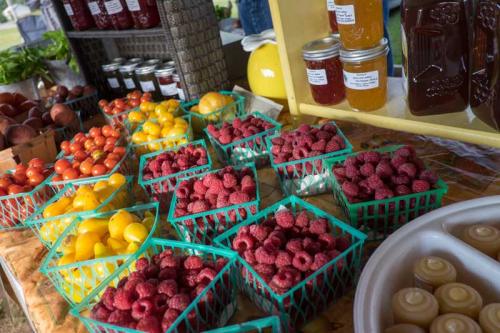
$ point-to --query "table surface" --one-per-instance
(470, 171)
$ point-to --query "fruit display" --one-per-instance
(153, 111)
(62, 94)
(382, 190)
(175, 287)
(293, 251)
(243, 140)
(50, 220)
(98, 139)
(116, 111)
(297, 157)
(161, 171)
(206, 205)
(22, 191)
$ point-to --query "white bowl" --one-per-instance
(390, 267)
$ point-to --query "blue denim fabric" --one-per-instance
(255, 16)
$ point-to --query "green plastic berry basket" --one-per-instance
(163, 143)
(227, 113)
(264, 325)
(48, 229)
(161, 188)
(75, 281)
(200, 315)
(205, 226)
(312, 295)
(250, 149)
(16, 209)
(380, 218)
(308, 176)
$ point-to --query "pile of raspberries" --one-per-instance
(223, 188)
(306, 141)
(239, 129)
(376, 176)
(286, 249)
(151, 298)
(171, 162)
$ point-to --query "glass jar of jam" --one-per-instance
(118, 13)
(324, 70)
(435, 42)
(145, 75)
(78, 14)
(180, 91)
(360, 23)
(97, 9)
(144, 13)
(330, 5)
(113, 77)
(365, 76)
(165, 79)
(127, 72)
(485, 86)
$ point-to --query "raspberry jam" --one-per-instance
(330, 5)
(165, 78)
(324, 70)
(78, 14)
(144, 13)
(98, 11)
(119, 14)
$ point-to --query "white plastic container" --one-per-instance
(390, 267)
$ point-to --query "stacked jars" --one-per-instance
(112, 75)
(165, 80)
(145, 75)
(127, 72)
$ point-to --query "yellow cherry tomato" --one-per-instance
(100, 185)
(136, 117)
(176, 131)
(160, 108)
(118, 222)
(66, 259)
(132, 248)
(68, 245)
(98, 226)
(86, 201)
(117, 180)
(84, 247)
(139, 137)
(135, 232)
(101, 250)
(116, 245)
(151, 128)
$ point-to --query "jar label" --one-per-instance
(361, 81)
(94, 8)
(133, 5)
(317, 77)
(113, 82)
(169, 89)
(181, 94)
(345, 14)
(147, 86)
(113, 7)
(129, 83)
(330, 4)
(68, 9)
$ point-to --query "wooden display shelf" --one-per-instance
(115, 33)
(291, 36)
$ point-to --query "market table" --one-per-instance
(470, 171)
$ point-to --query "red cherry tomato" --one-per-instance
(109, 147)
(75, 146)
(65, 147)
(70, 174)
(120, 103)
(119, 150)
(35, 179)
(57, 178)
(106, 130)
(32, 170)
(3, 192)
(110, 163)
(86, 167)
(95, 131)
(37, 163)
(80, 155)
(108, 109)
(20, 178)
(79, 137)
(5, 182)
(133, 103)
(100, 141)
(115, 134)
(88, 144)
(103, 103)
(15, 189)
(111, 141)
(61, 165)
(75, 165)
(99, 170)
(21, 168)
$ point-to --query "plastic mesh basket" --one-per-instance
(307, 176)
(48, 229)
(86, 104)
(75, 281)
(227, 113)
(250, 149)
(380, 218)
(265, 325)
(161, 188)
(312, 295)
(203, 227)
(215, 314)
(116, 120)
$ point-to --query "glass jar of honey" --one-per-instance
(324, 70)
(365, 76)
(360, 23)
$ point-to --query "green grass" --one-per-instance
(395, 35)
(9, 37)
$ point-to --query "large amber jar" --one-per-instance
(360, 23)
(365, 76)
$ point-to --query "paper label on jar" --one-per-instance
(113, 82)
(113, 7)
(133, 5)
(330, 4)
(169, 89)
(129, 83)
(68, 9)
(94, 8)
(147, 86)
(345, 14)
(181, 94)
(361, 81)
(317, 77)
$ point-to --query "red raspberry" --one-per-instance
(200, 206)
(332, 146)
(243, 242)
(212, 130)
(249, 257)
(100, 312)
(284, 218)
(318, 226)
(149, 324)
(319, 145)
(320, 259)
(304, 128)
(351, 161)
(339, 172)
(302, 261)
(342, 244)
(408, 169)
(299, 153)
(311, 246)
(419, 186)
(182, 192)
(206, 276)
(400, 180)
(327, 241)
(179, 302)
(329, 127)
(351, 171)
(384, 169)
(229, 180)
(168, 273)
(429, 176)
(160, 301)
(143, 307)
(171, 315)
(169, 261)
(383, 193)
(222, 200)
(193, 262)
(168, 287)
(120, 318)
(108, 298)
(124, 299)
(294, 245)
(350, 189)
(283, 259)
(402, 190)
(216, 186)
(398, 161)
(237, 198)
(406, 151)
(264, 270)
(282, 280)
(265, 255)
(371, 157)
(374, 182)
(367, 169)
(278, 141)
(260, 232)
(141, 263)
(199, 188)
(131, 284)
(145, 289)
(302, 220)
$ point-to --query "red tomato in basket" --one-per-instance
(119, 151)
(100, 141)
(35, 179)
(31, 170)
(20, 179)
(21, 168)
(106, 130)
(103, 103)
(61, 165)
(80, 155)
(99, 170)
(86, 167)
(108, 109)
(15, 189)
(95, 132)
(70, 174)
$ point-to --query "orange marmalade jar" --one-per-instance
(360, 23)
(365, 76)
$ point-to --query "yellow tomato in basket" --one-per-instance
(139, 137)
(100, 185)
(135, 232)
(66, 259)
(84, 247)
(118, 222)
(132, 248)
(95, 225)
(116, 245)
(68, 245)
(82, 276)
(101, 250)
(56, 208)
(160, 108)
(86, 201)
(117, 180)
(151, 128)
(136, 117)
(176, 131)
(103, 269)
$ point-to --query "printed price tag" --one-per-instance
(317, 77)
(345, 14)
(113, 82)
(361, 81)
(94, 8)
(133, 5)
(330, 4)
(168, 89)
(129, 83)
(113, 7)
